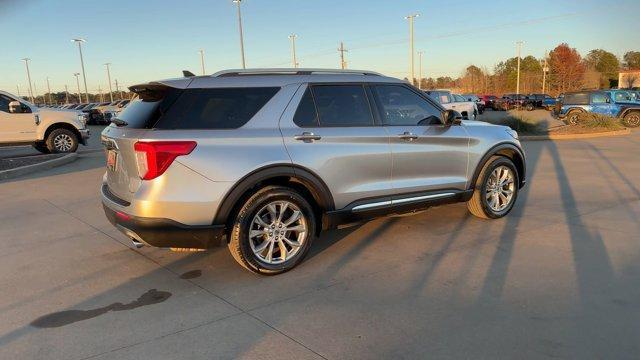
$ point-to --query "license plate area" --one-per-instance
(112, 160)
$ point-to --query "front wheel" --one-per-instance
(273, 231)
(62, 141)
(496, 189)
(632, 119)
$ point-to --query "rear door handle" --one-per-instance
(307, 137)
(408, 136)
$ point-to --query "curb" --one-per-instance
(12, 173)
(575, 136)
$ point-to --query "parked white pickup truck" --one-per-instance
(468, 109)
(48, 130)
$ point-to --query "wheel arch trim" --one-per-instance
(503, 149)
(311, 181)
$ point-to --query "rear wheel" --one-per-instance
(496, 189)
(573, 118)
(632, 119)
(273, 231)
(529, 107)
(62, 141)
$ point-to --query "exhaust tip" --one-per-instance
(137, 244)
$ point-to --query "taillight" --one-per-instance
(154, 157)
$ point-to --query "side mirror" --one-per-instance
(15, 107)
(608, 101)
(451, 117)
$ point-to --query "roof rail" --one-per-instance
(292, 71)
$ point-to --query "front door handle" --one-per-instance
(307, 137)
(408, 136)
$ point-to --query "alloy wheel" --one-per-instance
(277, 232)
(633, 120)
(500, 188)
(63, 142)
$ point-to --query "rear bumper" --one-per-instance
(165, 233)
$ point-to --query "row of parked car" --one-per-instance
(97, 113)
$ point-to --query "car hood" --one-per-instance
(480, 123)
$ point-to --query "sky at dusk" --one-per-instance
(151, 40)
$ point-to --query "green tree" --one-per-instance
(604, 62)
(632, 60)
(530, 74)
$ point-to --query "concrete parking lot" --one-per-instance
(558, 278)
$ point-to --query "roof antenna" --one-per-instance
(187, 73)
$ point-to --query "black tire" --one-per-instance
(631, 119)
(67, 141)
(573, 117)
(42, 147)
(239, 241)
(478, 205)
(529, 107)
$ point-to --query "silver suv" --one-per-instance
(266, 159)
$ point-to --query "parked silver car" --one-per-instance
(266, 159)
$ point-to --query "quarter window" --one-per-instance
(306, 115)
(401, 106)
(342, 105)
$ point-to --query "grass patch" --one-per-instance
(521, 124)
(600, 122)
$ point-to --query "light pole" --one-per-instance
(545, 70)
(411, 51)
(519, 47)
(78, 83)
(49, 90)
(18, 87)
(107, 65)
(100, 93)
(293, 37)
(66, 94)
(118, 91)
(26, 63)
(342, 50)
(79, 41)
(201, 51)
(420, 53)
(241, 37)
(35, 93)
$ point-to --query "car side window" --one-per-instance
(401, 106)
(306, 115)
(4, 103)
(598, 98)
(342, 105)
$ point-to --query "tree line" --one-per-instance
(567, 71)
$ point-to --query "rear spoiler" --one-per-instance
(151, 91)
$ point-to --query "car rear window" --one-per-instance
(223, 108)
